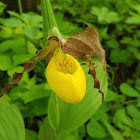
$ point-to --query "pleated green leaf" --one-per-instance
(66, 117)
(116, 135)
(47, 133)
(11, 123)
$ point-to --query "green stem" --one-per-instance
(50, 28)
(20, 7)
(57, 114)
(49, 24)
(57, 136)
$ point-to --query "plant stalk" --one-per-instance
(57, 113)
(49, 24)
(20, 7)
(57, 136)
(50, 28)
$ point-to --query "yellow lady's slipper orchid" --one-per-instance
(64, 73)
(66, 77)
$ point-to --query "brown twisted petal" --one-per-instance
(92, 72)
(84, 45)
(28, 66)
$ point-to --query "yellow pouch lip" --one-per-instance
(69, 87)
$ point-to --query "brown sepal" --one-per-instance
(81, 44)
(28, 66)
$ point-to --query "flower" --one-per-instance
(66, 77)
(64, 73)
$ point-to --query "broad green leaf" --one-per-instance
(2, 20)
(106, 138)
(138, 33)
(18, 30)
(11, 123)
(6, 45)
(39, 35)
(130, 40)
(90, 138)
(5, 62)
(17, 45)
(67, 27)
(82, 131)
(5, 99)
(21, 58)
(14, 14)
(111, 95)
(135, 114)
(31, 32)
(126, 40)
(104, 15)
(121, 56)
(2, 7)
(6, 32)
(71, 137)
(40, 106)
(135, 135)
(135, 43)
(16, 92)
(135, 52)
(136, 7)
(35, 108)
(14, 69)
(31, 48)
(100, 113)
(112, 44)
(133, 20)
(68, 117)
(47, 133)
(127, 131)
(128, 90)
(120, 119)
(96, 130)
(103, 33)
(114, 133)
(13, 22)
(137, 83)
(30, 135)
(33, 19)
(36, 92)
(133, 111)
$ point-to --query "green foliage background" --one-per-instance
(117, 23)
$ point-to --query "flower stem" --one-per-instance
(57, 136)
(57, 113)
(50, 28)
(20, 7)
(49, 24)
